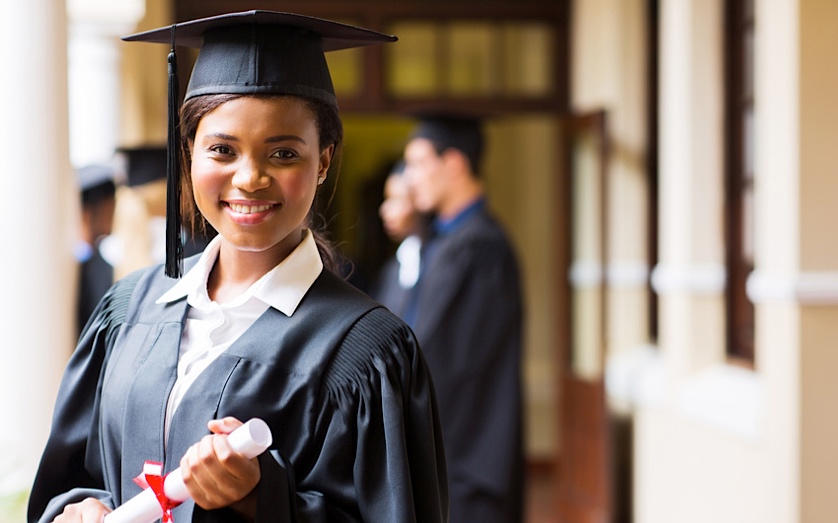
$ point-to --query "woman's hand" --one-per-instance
(90, 510)
(216, 476)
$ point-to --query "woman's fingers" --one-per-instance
(89, 510)
(215, 475)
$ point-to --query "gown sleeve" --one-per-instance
(70, 468)
(376, 452)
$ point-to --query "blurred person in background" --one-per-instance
(98, 199)
(404, 226)
(139, 235)
(466, 311)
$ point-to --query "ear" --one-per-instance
(455, 160)
(325, 161)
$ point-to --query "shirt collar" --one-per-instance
(282, 288)
(443, 227)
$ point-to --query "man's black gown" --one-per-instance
(386, 289)
(467, 315)
(341, 383)
(95, 278)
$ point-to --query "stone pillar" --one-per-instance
(94, 91)
(95, 28)
(690, 276)
(39, 220)
(38, 226)
(795, 284)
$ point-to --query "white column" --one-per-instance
(95, 28)
(39, 215)
(690, 277)
(778, 216)
(94, 91)
(38, 225)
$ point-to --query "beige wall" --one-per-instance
(144, 82)
(523, 191)
(818, 245)
(714, 441)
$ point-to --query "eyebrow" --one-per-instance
(272, 139)
(284, 137)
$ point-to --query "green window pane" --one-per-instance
(475, 58)
(347, 69)
(527, 59)
(412, 67)
(471, 59)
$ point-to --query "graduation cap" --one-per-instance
(447, 130)
(96, 182)
(251, 52)
(144, 164)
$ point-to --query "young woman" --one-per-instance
(256, 327)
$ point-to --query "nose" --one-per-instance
(250, 176)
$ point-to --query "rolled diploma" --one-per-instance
(251, 439)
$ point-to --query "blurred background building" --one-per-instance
(666, 170)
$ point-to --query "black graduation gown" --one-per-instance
(95, 278)
(468, 320)
(341, 383)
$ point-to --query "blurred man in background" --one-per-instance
(466, 311)
(98, 189)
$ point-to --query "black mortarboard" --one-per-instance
(252, 52)
(144, 164)
(449, 130)
(96, 181)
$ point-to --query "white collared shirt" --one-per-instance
(212, 327)
(408, 255)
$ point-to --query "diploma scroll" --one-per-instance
(251, 439)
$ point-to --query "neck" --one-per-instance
(235, 269)
(458, 200)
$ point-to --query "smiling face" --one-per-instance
(254, 172)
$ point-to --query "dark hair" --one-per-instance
(472, 155)
(98, 193)
(451, 131)
(329, 129)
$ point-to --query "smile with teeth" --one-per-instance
(248, 209)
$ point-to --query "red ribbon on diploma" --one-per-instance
(152, 477)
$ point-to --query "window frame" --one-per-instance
(738, 106)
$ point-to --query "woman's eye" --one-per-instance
(221, 149)
(285, 154)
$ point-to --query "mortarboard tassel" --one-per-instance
(174, 245)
